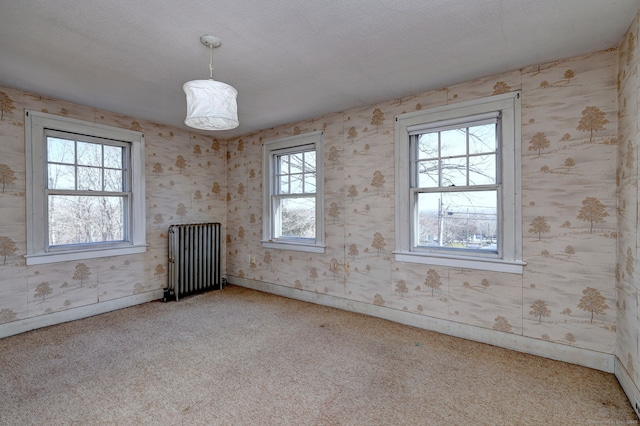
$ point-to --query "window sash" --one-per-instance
(442, 216)
(280, 175)
(125, 161)
(122, 215)
(438, 160)
(280, 231)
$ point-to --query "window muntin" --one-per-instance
(454, 187)
(85, 190)
(458, 177)
(293, 212)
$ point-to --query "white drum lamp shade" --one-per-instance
(211, 105)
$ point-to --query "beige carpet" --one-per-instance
(242, 357)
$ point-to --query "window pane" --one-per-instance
(298, 217)
(113, 156)
(454, 171)
(61, 177)
(428, 145)
(482, 170)
(458, 220)
(60, 151)
(428, 218)
(482, 139)
(453, 142)
(82, 219)
(283, 184)
(89, 154)
(310, 162)
(113, 180)
(89, 179)
(310, 183)
(427, 173)
(296, 183)
(296, 161)
(283, 164)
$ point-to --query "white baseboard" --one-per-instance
(556, 351)
(28, 324)
(629, 387)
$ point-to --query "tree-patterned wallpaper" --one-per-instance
(627, 266)
(569, 142)
(185, 182)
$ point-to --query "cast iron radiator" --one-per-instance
(194, 259)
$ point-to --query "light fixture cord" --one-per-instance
(211, 61)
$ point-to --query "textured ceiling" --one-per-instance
(289, 59)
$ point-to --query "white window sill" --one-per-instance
(465, 262)
(310, 248)
(66, 256)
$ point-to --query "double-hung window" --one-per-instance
(293, 214)
(458, 185)
(85, 190)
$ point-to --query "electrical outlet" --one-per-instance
(253, 258)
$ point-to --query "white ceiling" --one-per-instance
(289, 59)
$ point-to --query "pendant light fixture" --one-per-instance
(211, 105)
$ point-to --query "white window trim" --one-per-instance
(312, 138)
(510, 260)
(37, 217)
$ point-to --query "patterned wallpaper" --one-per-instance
(627, 266)
(185, 183)
(569, 142)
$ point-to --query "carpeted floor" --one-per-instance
(242, 357)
